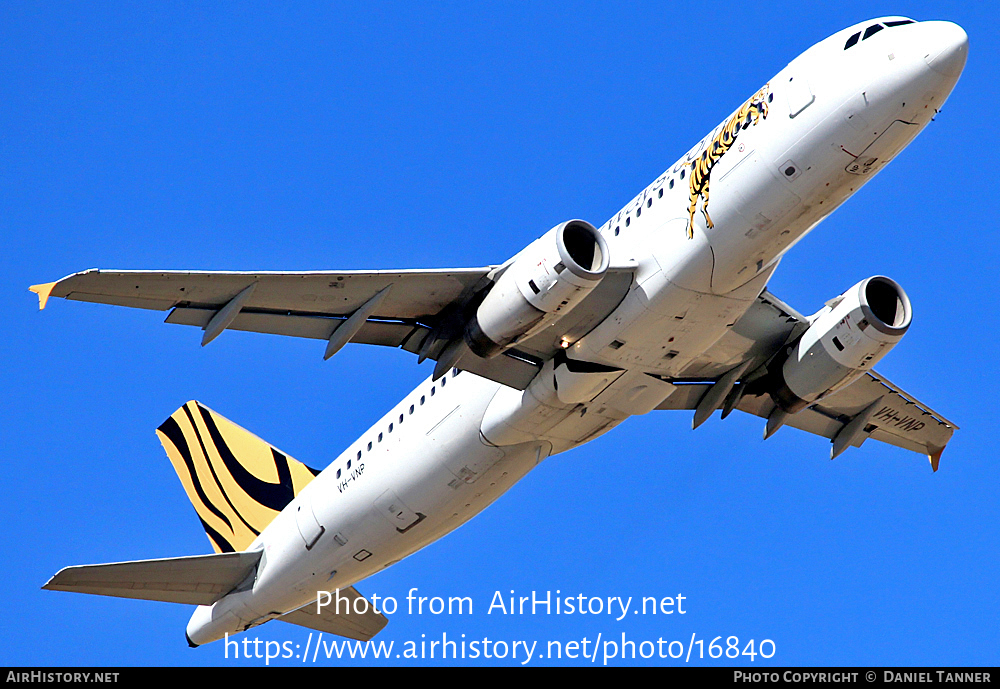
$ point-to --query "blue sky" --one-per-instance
(251, 136)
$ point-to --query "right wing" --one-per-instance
(897, 419)
(882, 410)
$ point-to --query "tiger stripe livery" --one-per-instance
(237, 482)
(701, 167)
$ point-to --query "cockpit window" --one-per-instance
(872, 30)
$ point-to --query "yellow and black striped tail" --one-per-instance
(237, 482)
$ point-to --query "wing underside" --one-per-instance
(401, 308)
(883, 411)
(898, 419)
(405, 309)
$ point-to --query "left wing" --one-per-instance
(417, 310)
(301, 304)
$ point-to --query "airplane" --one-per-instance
(664, 307)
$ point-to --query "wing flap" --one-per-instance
(508, 369)
(196, 580)
(353, 625)
(386, 333)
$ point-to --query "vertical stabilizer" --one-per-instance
(237, 482)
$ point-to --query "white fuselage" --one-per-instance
(834, 117)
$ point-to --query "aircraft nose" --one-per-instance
(948, 50)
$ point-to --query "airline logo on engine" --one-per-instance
(887, 416)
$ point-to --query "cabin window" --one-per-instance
(659, 194)
(616, 230)
(422, 399)
(359, 454)
(671, 185)
(390, 428)
(628, 221)
(380, 437)
(443, 381)
(348, 464)
(649, 201)
(432, 391)
(338, 473)
(638, 211)
(682, 173)
(369, 447)
(411, 408)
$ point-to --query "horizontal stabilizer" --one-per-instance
(353, 625)
(196, 580)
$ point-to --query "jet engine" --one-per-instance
(543, 283)
(849, 336)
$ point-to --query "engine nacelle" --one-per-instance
(849, 336)
(545, 282)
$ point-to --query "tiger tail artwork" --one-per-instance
(701, 167)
